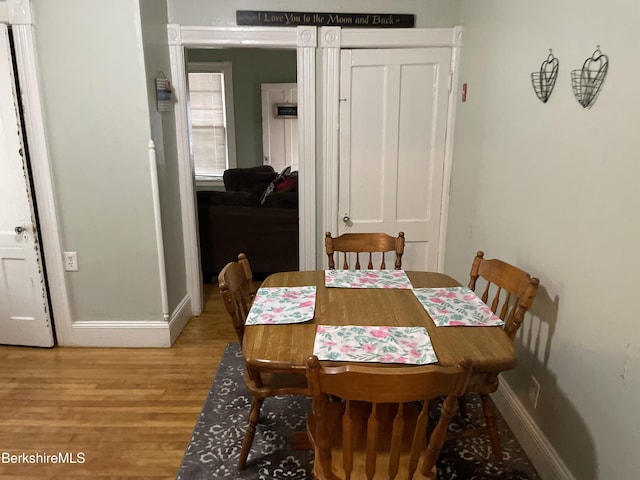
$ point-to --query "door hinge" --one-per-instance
(450, 81)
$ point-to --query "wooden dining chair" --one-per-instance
(367, 243)
(379, 427)
(509, 292)
(238, 291)
(262, 379)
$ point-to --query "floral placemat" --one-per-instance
(367, 279)
(410, 345)
(280, 305)
(456, 306)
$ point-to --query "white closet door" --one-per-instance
(393, 117)
(24, 312)
(280, 132)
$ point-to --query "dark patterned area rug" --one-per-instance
(214, 448)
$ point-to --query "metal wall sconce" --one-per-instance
(544, 80)
(587, 81)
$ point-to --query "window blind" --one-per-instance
(209, 132)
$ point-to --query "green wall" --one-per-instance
(96, 112)
(251, 68)
(552, 188)
(163, 132)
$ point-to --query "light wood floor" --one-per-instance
(130, 412)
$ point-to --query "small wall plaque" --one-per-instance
(324, 19)
(285, 110)
(164, 95)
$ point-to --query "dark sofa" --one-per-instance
(256, 214)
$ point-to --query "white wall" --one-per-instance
(553, 189)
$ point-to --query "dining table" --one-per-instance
(488, 348)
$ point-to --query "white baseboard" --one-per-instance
(179, 318)
(537, 447)
(131, 334)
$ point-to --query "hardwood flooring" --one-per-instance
(119, 413)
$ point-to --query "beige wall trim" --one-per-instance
(157, 217)
(186, 171)
(27, 64)
(448, 161)
(179, 319)
(19, 12)
(330, 40)
(132, 333)
(120, 334)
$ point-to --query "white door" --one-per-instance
(24, 312)
(393, 117)
(280, 125)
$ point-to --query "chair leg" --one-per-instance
(254, 416)
(492, 426)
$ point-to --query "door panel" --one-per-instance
(279, 135)
(24, 313)
(393, 116)
(367, 158)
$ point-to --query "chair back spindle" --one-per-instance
(373, 245)
(377, 429)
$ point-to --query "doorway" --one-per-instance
(303, 41)
(280, 125)
(243, 205)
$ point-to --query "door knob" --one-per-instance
(20, 229)
(346, 219)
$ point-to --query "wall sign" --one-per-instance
(356, 20)
(285, 110)
(164, 95)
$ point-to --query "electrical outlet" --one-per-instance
(534, 391)
(71, 261)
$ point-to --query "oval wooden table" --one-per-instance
(488, 348)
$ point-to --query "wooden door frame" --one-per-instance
(303, 40)
(332, 40)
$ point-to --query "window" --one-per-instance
(211, 112)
